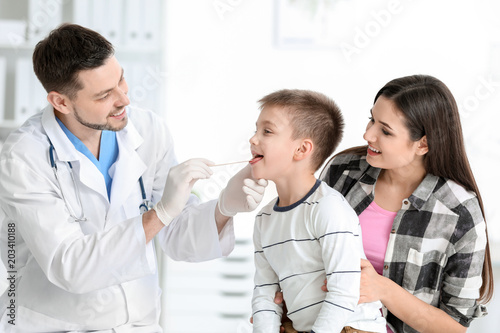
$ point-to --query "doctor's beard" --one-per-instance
(103, 127)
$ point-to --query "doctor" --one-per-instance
(74, 181)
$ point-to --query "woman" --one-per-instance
(420, 210)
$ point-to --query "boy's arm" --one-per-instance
(337, 228)
(266, 314)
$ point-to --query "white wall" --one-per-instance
(220, 63)
(222, 57)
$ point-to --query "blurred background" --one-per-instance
(203, 64)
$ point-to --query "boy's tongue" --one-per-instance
(256, 159)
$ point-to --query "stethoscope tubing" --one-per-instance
(143, 207)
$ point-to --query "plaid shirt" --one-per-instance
(437, 243)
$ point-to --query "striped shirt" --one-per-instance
(437, 242)
(296, 248)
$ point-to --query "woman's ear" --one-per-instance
(59, 102)
(422, 147)
(303, 150)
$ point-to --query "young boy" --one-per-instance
(309, 232)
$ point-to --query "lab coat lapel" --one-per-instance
(87, 172)
(127, 169)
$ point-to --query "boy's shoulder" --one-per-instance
(322, 193)
(267, 209)
(332, 209)
(327, 195)
(326, 200)
(326, 191)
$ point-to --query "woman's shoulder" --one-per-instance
(448, 192)
(344, 163)
(444, 197)
(457, 198)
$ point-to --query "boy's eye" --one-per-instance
(371, 119)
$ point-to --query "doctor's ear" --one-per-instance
(305, 148)
(59, 101)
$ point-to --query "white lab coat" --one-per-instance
(99, 274)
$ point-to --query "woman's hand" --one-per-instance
(371, 288)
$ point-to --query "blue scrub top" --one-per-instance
(108, 152)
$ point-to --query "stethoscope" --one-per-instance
(143, 207)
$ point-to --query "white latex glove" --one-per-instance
(180, 181)
(242, 193)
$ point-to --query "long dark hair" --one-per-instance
(430, 109)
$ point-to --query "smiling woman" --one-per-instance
(436, 264)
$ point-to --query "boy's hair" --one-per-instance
(67, 50)
(312, 115)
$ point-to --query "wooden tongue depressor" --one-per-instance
(221, 164)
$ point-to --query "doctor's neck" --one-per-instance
(90, 136)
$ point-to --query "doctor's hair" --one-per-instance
(67, 50)
(312, 115)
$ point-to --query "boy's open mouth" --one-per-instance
(256, 158)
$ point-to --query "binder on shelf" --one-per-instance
(39, 101)
(134, 22)
(43, 16)
(152, 23)
(113, 24)
(30, 96)
(22, 91)
(3, 74)
(99, 16)
(82, 13)
(13, 32)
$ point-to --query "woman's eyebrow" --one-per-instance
(383, 123)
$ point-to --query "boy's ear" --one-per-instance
(303, 150)
(422, 148)
(59, 102)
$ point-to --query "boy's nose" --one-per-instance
(253, 139)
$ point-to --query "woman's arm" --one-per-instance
(414, 312)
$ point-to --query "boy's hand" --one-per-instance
(323, 287)
(286, 323)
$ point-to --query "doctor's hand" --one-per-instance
(180, 181)
(242, 193)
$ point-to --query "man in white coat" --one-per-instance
(75, 184)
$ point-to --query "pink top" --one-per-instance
(376, 224)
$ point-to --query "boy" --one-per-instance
(309, 232)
